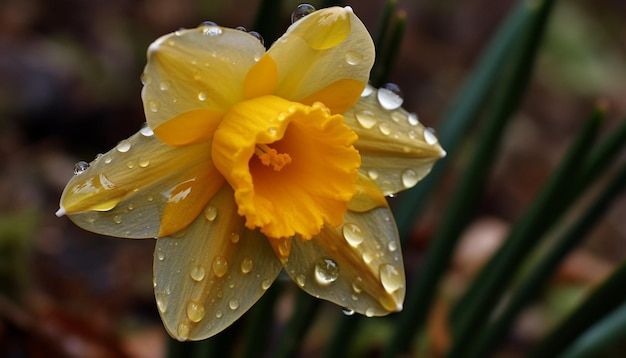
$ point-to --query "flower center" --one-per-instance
(270, 157)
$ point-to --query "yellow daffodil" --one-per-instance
(255, 161)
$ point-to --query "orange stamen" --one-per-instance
(269, 156)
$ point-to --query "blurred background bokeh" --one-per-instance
(70, 89)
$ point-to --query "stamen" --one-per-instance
(269, 156)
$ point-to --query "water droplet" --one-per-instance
(326, 271)
(301, 11)
(412, 134)
(208, 23)
(258, 36)
(272, 131)
(301, 280)
(195, 311)
(241, 28)
(202, 96)
(108, 160)
(390, 277)
(392, 246)
(409, 178)
(210, 212)
(183, 331)
(265, 284)
(154, 105)
(212, 31)
(357, 285)
(130, 164)
(412, 118)
(117, 219)
(123, 146)
(218, 314)
(353, 234)
(366, 119)
(397, 116)
(160, 255)
(145, 78)
(197, 273)
(367, 90)
(370, 312)
(80, 167)
(389, 96)
(247, 265)
(150, 198)
(385, 128)
(144, 162)
(146, 131)
(220, 266)
(347, 311)
(233, 304)
(164, 86)
(373, 174)
(284, 247)
(353, 57)
(234, 237)
(430, 137)
(161, 301)
(367, 257)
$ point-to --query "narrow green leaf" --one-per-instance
(602, 300)
(391, 52)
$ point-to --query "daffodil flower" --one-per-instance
(254, 161)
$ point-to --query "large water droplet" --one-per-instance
(366, 119)
(154, 105)
(390, 277)
(195, 311)
(430, 137)
(353, 57)
(197, 273)
(301, 11)
(247, 265)
(210, 212)
(146, 131)
(326, 271)
(123, 146)
(353, 234)
(183, 331)
(409, 178)
(233, 304)
(212, 31)
(389, 96)
(80, 167)
(413, 119)
(220, 266)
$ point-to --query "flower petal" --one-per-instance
(208, 275)
(324, 57)
(197, 69)
(357, 266)
(132, 190)
(396, 150)
(297, 196)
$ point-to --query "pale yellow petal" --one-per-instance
(211, 273)
(396, 150)
(127, 191)
(324, 57)
(357, 266)
(197, 69)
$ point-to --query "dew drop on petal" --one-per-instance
(301, 11)
(161, 301)
(212, 31)
(130, 164)
(265, 284)
(370, 312)
(164, 86)
(233, 304)
(353, 234)
(385, 128)
(247, 265)
(145, 78)
(220, 266)
(258, 36)
(195, 311)
(197, 273)
(301, 280)
(241, 28)
(210, 212)
(392, 246)
(353, 57)
(390, 277)
(373, 174)
(367, 90)
(123, 146)
(208, 23)
(367, 257)
(144, 162)
(183, 330)
(272, 131)
(80, 167)
(154, 105)
(413, 119)
(347, 311)
(160, 255)
(117, 219)
(234, 237)
(218, 314)
(429, 136)
(366, 119)
(357, 285)
(146, 131)
(389, 96)
(202, 96)
(409, 178)
(326, 271)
